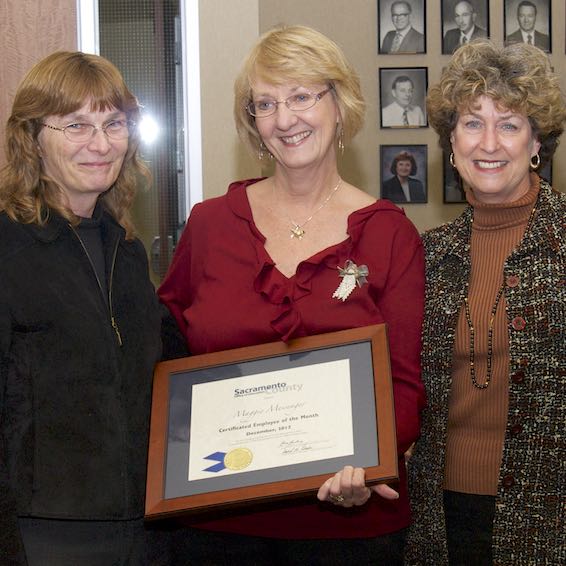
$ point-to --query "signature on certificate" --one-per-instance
(294, 446)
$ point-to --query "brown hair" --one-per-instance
(404, 156)
(58, 85)
(517, 77)
(298, 53)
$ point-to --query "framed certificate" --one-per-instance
(270, 422)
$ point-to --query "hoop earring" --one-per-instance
(535, 164)
(451, 159)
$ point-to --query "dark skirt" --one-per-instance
(51, 542)
(469, 528)
(206, 548)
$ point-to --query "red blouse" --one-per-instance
(225, 292)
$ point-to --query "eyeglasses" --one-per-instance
(402, 15)
(296, 103)
(78, 132)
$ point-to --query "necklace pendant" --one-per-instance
(297, 232)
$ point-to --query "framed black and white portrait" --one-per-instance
(546, 172)
(404, 173)
(463, 21)
(401, 26)
(453, 189)
(402, 92)
(528, 21)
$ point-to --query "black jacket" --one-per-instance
(451, 40)
(392, 190)
(75, 376)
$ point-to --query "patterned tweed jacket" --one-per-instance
(530, 511)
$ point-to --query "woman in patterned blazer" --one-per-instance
(488, 474)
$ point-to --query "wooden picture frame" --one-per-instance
(361, 353)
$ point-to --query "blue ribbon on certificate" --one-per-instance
(217, 457)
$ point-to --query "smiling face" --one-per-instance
(492, 151)
(403, 168)
(401, 15)
(298, 139)
(464, 16)
(527, 16)
(82, 170)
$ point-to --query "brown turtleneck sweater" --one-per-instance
(478, 417)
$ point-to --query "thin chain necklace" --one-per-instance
(297, 230)
(489, 327)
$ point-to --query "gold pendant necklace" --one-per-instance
(297, 230)
(489, 327)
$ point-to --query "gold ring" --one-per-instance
(336, 498)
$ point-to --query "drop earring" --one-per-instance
(341, 142)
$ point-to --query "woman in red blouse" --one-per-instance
(261, 264)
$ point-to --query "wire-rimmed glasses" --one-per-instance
(296, 103)
(82, 132)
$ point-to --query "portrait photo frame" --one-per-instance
(452, 186)
(395, 83)
(413, 36)
(546, 172)
(229, 476)
(542, 31)
(398, 158)
(455, 13)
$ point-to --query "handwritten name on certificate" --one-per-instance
(267, 420)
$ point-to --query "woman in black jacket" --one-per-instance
(79, 321)
(403, 187)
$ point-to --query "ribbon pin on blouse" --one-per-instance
(351, 274)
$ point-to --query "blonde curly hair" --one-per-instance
(517, 77)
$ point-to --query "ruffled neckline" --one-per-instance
(284, 291)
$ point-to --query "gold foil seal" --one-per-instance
(238, 459)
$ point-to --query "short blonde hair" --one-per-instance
(517, 77)
(302, 54)
(60, 84)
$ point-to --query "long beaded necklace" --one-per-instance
(490, 326)
(297, 230)
(489, 340)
